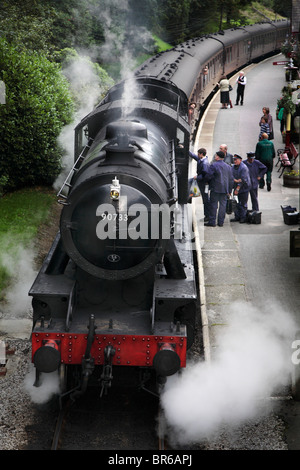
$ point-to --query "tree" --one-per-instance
(38, 104)
(50, 25)
(283, 8)
(174, 18)
(27, 23)
(202, 17)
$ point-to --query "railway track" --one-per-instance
(57, 442)
(60, 422)
(124, 419)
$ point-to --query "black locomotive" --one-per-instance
(117, 288)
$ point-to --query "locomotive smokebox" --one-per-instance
(166, 361)
(47, 358)
(109, 226)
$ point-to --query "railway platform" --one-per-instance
(241, 265)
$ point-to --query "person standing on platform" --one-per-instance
(241, 83)
(281, 114)
(264, 127)
(228, 156)
(242, 186)
(202, 169)
(192, 108)
(257, 170)
(220, 180)
(224, 92)
(266, 114)
(265, 153)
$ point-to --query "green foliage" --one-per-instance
(21, 214)
(3, 184)
(286, 49)
(161, 45)
(49, 25)
(173, 18)
(38, 105)
(286, 102)
(27, 23)
(39, 98)
(52, 25)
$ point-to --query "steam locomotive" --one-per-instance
(117, 288)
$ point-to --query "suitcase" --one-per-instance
(253, 217)
(229, 206)
(291, 218)
(290, 215)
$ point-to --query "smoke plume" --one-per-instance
(253, 360)
(19, 263)
(121, 39)
(49, 386)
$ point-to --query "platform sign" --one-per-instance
(281, 62)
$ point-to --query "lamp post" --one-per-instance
(290, 67)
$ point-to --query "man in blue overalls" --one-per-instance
(202, 169)
(257, 170)
(242, 186)
(220, 181)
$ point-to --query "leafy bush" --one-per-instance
(38, 104)
(21, 214)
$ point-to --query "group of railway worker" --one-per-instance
(229, 176)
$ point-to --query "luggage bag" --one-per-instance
(253, 217)
(290, 215)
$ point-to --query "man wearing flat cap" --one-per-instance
(257, 170)
(241, 188)
(220, 181)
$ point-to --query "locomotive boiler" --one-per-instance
(117, 288)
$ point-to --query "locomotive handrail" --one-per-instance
(174, 185)
(73, 169)
(70, 308)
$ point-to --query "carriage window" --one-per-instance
(82, 138)
(179, 138)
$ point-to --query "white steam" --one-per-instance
(86, 87)
(49, 386)
(130, 92)
(19, 263)
(121, 38)
(253, 360)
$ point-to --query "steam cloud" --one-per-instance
(19, 262)
(49, 386)
(253, 359)
(83, 80)
(86, 87)
(122, 41)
